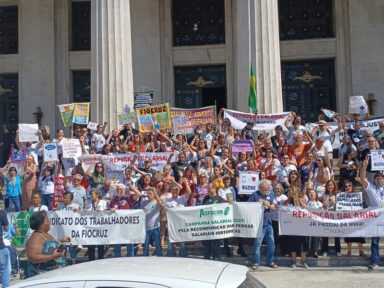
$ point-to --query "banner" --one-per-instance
(127, 119)
(377, 160)
(370, 125)
(28, 132)
(81, 113)
(349, 201)
(154, 117)
(66, 112)
(242, 146)
(116, 164)
(198, 116)
(322, 223)
(59, 191)
(248, 182)
(263, 121)
(71, 148)
(99, 228)
(50, 152)
(216, 221)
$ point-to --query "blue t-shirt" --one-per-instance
(256, 197)
(13, 189)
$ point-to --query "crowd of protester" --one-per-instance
(296, 167)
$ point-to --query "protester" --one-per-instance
(13, 189)
(5, 260)
(42, 248)
(375, 193)
(36, 203)
(46, 185)
(29, 182)
(269, 202)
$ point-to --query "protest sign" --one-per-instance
(88, 161)
(28, 132)
(181, 125)
(18, 156)
(263, 121)
(197, 116)
(66, 112)
(59, 191)
(349, 201)
(127, 118)
(92, 126)
(329, 113)
(377, 160)
(242, 146)
(50, 152)
(357, 105)
(248, 182)
(149, 117)
(142, 99)
(99, 228)
(71, 148)
(81, 113)
(22, 221)
(216, 221)
(116, 164)
(323, 223)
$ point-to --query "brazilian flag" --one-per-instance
(252, 98)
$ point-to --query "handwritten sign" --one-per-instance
(71, 148)
(377, 160)
(249, 182)
(28, 132)
(349, 201)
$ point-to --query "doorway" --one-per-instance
(214, 96)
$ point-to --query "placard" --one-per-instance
(66, 112)
(142, 99)
(71, 148)
(28, 132)
(127, 118)
(349, 201)
(377, 160)
(216, 221)
(242, 146)
(150, 117)
(18, 156)
(58, 192)
(357, 105)
(181, 125)
(81, 113)
(248, 182)
(50, 152)
(92, 126)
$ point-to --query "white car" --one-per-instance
(143, 272)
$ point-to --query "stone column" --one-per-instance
(256, 42)
(36, 60)
(62, 73)
(111, 60)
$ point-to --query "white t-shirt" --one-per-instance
(314, 204)
(280, 201)
(375, 195)
(99, 141)
(176, 203)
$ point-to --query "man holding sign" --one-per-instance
(376, 199)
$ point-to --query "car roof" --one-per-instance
(153, 269)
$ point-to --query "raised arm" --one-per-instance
(363, 173)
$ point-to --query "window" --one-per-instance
(81, 86)
(9, 30)
(198, 22)
(81, 25)
(305, 19)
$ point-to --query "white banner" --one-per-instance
(71, 148)
(28, 132)
(349, 201)
(248, 182)
(322, 223)
(263, 121)
(116, 164)
(99, 228)
(50, 152)
(215, 221)
(377, 160)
